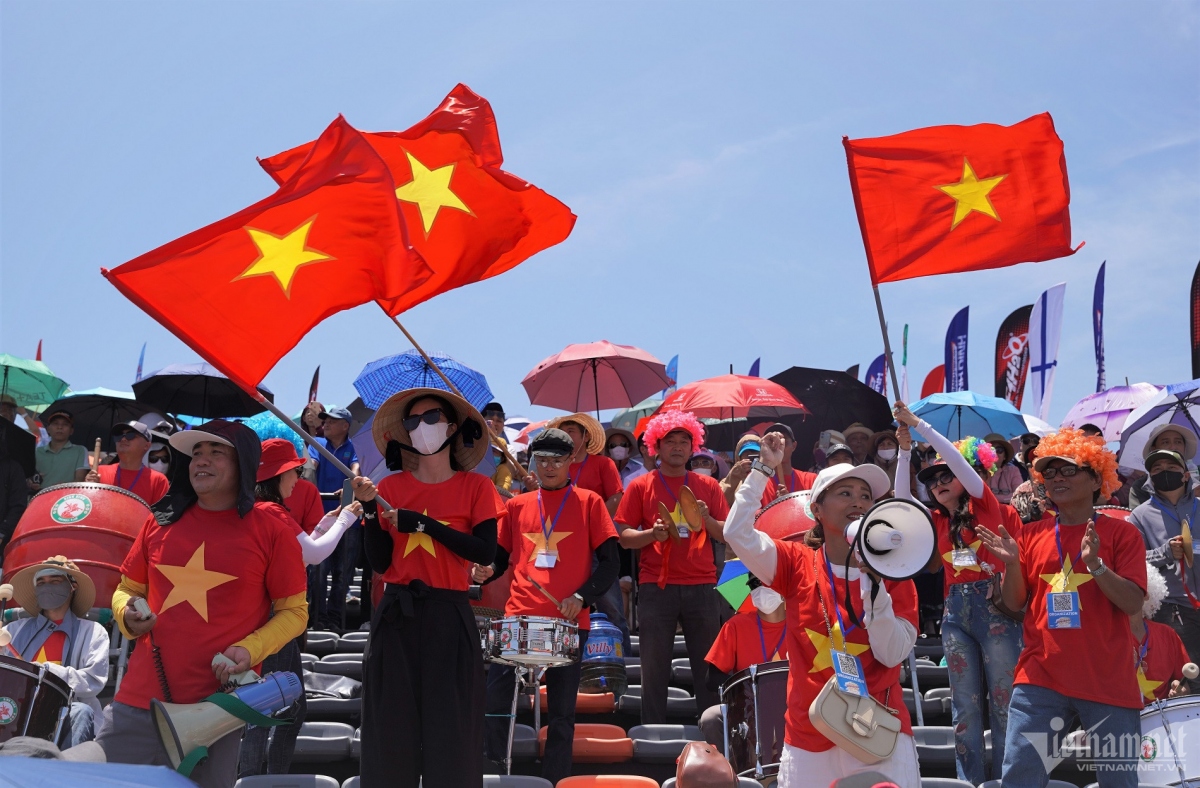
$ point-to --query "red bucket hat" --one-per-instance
(278, 456)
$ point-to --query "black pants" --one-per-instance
(423, 692)
(659, 610)
(562, 686)
(283, 742)
(1185, 620)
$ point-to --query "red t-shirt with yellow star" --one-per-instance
(598, 474)
(462, 502)
(1096, 661)
(1163, 663)
(991, 514)
(52, 650)
(799, 480)
(212, 577)
(740, 643)
(800, 578)
(147, 484)
(687, 564)
(304, 504)
(582, 526)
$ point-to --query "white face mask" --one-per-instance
(158, 465)
(887, 455)
(703, 471)
(766, 600)
(619, 453)
(428, 438)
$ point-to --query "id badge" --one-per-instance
(1062, 610)
(545, 560)
(963, 557)
(848, 670)
(684, 533)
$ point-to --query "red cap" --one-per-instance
(278, 456)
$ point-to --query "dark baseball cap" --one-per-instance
(57, 413)
(552, 443)
(492, 407)
(337, 413)
(136, 426)
(783, 430)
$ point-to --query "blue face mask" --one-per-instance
(52, 595)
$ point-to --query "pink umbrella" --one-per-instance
(734, 397)
(596, 375)
(1107, 409)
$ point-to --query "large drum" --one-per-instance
(1170, 741)
(94, 525)
(756, 699)
(534, 641)
(33, 701)
(787, 517)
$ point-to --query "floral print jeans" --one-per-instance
(982, 646)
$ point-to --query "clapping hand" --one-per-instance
(1090, 549)
(660, 531)
(1001, 544)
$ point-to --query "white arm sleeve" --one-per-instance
(957, 463)
(891, 638)
(88, 680)
(317, 547)
(903, 469)
(756, 549)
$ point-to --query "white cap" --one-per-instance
(186, 441)
(875, 477)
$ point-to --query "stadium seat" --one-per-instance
(928, 708)
(679, 650)
(515, 781)
(940, 696)
(353, 642)
(356, 744)
(929, 675)
(596, 744)
(661, 743)
(678, 702)
(944, 782)
(333, 710)
(307, 660)
(287, 781)
(930, 648)
(633, 646)
(351, 782)
(606, 781)
(633, 671)
(525, 743)
(344, 664)
(681, 672)
(935, 745)
(323, 742)
(585, 703)
(320, 643)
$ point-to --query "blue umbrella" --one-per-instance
(387, 376)
(1178, 404)
(958, 414)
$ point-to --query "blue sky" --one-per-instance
(699, 144)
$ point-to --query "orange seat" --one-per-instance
(587, 703)
(596, 744)
(606, 781)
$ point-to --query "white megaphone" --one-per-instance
(184, 727)
(895, 539)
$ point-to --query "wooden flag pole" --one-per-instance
(887, 345)
(493, 438)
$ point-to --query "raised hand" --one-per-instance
(904, 437)
(771, 450)
(1001, 544)
(904, 415)
(1090, 549)
(364, 488)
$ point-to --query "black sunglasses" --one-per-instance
(127, 435)
(944, 477)
(431, 416)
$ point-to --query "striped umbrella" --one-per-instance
(380, 379)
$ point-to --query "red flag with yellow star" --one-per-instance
(961, 198)
(242, 291)
(469, 219)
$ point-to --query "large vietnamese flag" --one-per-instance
(242, 291)
(961, 198)
(469, 219)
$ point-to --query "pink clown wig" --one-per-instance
(664, 423)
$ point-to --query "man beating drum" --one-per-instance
(550, 535)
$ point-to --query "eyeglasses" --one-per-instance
(552, 462)
(431, 416)
(127, 436)
(1065, 471)
(944, 477)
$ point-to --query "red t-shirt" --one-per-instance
(304, 504)
(686, 565)
(808, 646)
(800, 480)
(1096, 661)
(462, 502)
(212, 577)
(147, 484)
(991, 514)
(52, 650)
(583, 526)
(598, 474)
(747, 640)
(1163, 662)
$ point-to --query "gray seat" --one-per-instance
(307, 660)
(353, 642)
(351, 782)
(287, 781)
(356, 745)
(633, 672)
(944, 782)
(928, 708)
(320, 643)
(661, 743)
(633, 646)
(344, 664)
(678, 701)
(935, 745)
(347, 710)
(525, 743)
(929, 675)
(681, 672)
(323, 742)
(515, 781)
(930, 648)
(940, 696)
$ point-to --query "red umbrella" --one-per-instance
(734, 397)
(594, 376)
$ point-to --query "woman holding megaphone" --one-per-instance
(847, 634)
(981, 637)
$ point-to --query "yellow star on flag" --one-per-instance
(422, 540)
(430, 191)
(971, 194)
(539, 541)
(191, 583)
(824, 658)
(949, 558)
(1067, 580)
(282, 255)
(1146, 685)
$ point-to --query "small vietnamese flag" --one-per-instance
(244, 290)
(961, 198)
(468, 219)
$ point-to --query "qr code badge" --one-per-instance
(1062, 610)
(848, 665)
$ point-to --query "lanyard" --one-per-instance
(763, 640)
(663, 479)
(790, 483)
(1145, 647)
(135, 478)
(582, 465)
(836, 607)
(1058, 541)
(1168, 513)
(546, 534)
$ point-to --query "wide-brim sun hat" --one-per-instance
(26, 596)
(626, 434)
(185, 442)
(875, 477)
(995, 439)
(278, 456)
(1189, 440)
(389, 418)
(595, 430)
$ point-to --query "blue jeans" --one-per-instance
(80, 725)
(347, 552)
(1038, 722)
(982, 646)
(273, 748)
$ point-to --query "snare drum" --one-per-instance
(33, 701)
(1160, 752)
(535, 641)
(756, 705)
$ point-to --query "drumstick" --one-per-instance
(549, 596)
(96, 457)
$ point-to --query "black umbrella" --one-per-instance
(95, 412)
(197, 390)
(835, 400)
(18, 443)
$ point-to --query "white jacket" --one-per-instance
(89, 653)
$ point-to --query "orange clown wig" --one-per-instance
(1084, 451)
